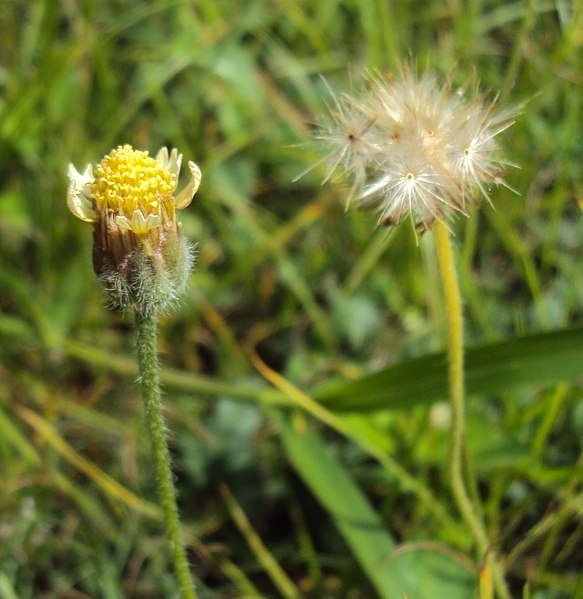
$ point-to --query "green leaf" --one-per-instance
(7, 591)
(531, 361)
(421, 573)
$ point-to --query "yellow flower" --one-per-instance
(139, 253)
(132, 189)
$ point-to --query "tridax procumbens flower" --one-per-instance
(139, 252)
(414, 147)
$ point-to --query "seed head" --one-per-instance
(414, 148)
(139, 253)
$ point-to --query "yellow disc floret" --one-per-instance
(132, 186)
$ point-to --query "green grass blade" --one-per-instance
(423, 574)
(534, 360)
(358, 523)
(7, 591)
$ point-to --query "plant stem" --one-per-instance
(147, 335)
(271, 566)
(453, 302)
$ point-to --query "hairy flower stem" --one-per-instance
(147, 334)
(453, 303)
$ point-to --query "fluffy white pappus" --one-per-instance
(348, 136)
(414, 148)
(411, 183)
(474, 151)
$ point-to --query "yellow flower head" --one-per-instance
(138, 251)
(133, 189)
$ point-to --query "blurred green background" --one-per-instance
(350, 501)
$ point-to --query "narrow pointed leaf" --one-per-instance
(422, 574)
(532, 361)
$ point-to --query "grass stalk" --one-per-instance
(147, 335)
(281, 580)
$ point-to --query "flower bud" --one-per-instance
(139, 253)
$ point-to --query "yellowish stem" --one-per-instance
(453, 304)
(274, 570)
